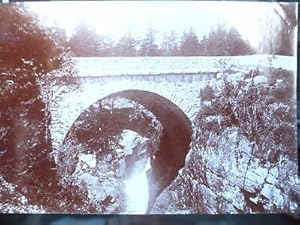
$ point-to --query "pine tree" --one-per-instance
(203, 46)
(236, 45)
(85, 41)
(170, 45)
(217, 43)
(148, 45)
(105, 46)
(223, 42)
(189, 45)
(126, 46)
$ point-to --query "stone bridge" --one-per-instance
(172, 98)
(178, 79)
(181, 89)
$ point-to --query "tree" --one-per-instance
(170, 45)
(236, 45)
(278, 30)
(58, 35)
(222, 41)
(148, 45)
(189, 45)
(85, 41)
(203, 46)
(287, 14)
(27, 53)
(105, 46)
(127, 46)
(217, 41)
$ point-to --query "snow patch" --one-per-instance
(89, 159)
(273, 194)
(260, 80)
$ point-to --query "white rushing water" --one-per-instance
(136, 188)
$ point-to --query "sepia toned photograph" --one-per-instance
(152, 107)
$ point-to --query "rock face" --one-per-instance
(243, 156)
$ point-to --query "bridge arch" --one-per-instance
(67, 106)
(172, 146)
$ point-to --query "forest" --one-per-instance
(222, 40)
